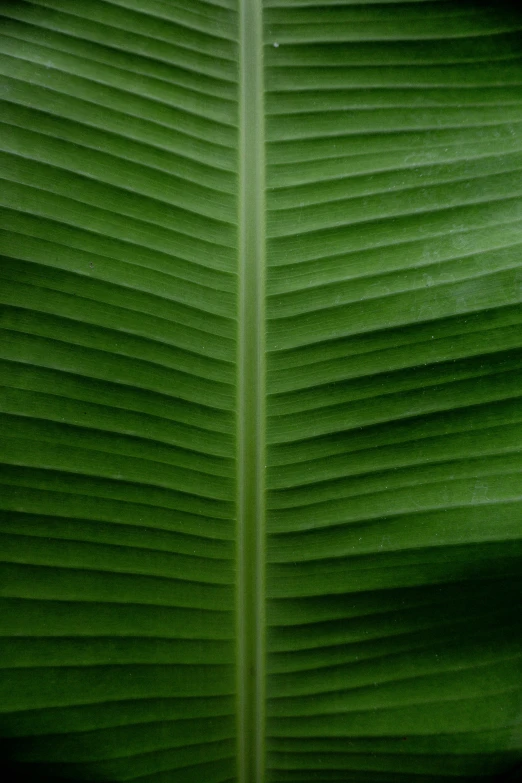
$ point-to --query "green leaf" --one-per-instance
(262, 367)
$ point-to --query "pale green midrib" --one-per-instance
(251, 400)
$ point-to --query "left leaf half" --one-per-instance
(118, 158)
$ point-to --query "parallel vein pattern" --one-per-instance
(394, 377)
(144, 172)
(119, 241)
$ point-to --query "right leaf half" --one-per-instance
(394, 159)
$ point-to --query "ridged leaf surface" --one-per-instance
(261, 376)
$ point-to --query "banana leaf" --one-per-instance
(261, 369)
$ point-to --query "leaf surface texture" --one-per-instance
(261, 376)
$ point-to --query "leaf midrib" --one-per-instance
(251, 427)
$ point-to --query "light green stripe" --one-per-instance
(251, 408)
